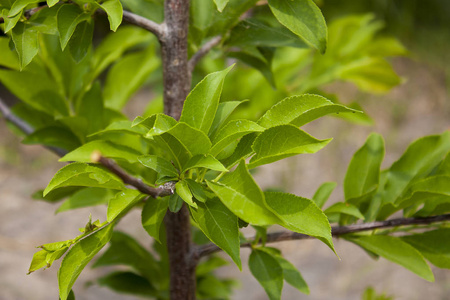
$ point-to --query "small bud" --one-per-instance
(95, 156)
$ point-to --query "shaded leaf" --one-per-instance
(153, 215)
(68, 18)
(26, 42)
(268, 272)
(128, 283)
(323, 193)
(344, 208)
(224, 110)
(81, 40)
(85, 198)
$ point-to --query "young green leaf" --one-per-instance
(220, 225)
(177, 152)
(221, 4)
(182, 189)
(68, 18)
(232, 131)
(127, 76)
(283, 141)
(363, 173)
(19, 5)
(162, 166)
(204, 161)
(114, 10)
(254, 32)
(323, 193)
(10, 22)
(85, 198)
(197, 190)
(201, 104)
(300, 215)
(268, 272)
(128, 283)
(224, 110)
(122, 202)
(397, 251)
(419, 159)
(344, 208)
(303, 18)
(79, 256)
(434, 246)
(26, 42)
(153, 215)
(51, 3)
(240, 194)
(125, 250)
(175, 203)
(300, 110)
(107, 149)
(123, 126)
(81, 40)
(80, 174)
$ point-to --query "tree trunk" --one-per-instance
(177, 83)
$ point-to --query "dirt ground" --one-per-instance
(419, 107)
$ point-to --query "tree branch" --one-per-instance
(24, 126)
(336, 231)
(202, 52)
(161, 191)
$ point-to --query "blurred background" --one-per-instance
(418, 106)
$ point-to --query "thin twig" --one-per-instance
(202, 52)
(336, 232)
(161, 191)
(24, 126)
(155, 28)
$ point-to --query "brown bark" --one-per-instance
(177, 83)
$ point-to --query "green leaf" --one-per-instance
(344, 208)
(363, 173)
(268, 272)
(201, 104)
(229, 133)
(10, 22)
(254, 32)
(128, 283)
(26, 42)
(300, 215)
(175, 203)
(434, 246)
(240, 194)
(177, 152)
(290, 273)
(186, 134)
(204, 161)
(153, 215)
(303, 18)
(122, 202)
(19, 5)
(127, 76)
(53, 136)
(220, 225)
(89, 107)
(256, 61)
(125, 250)
(162, 166)
(152, 10)
(68, 18)
(221, 4)
(323, 193)
(79, 256)
(397, 251)
(113, 9)
(283, 141)
(224, 110)
(122, 126)
(182, 189)
(197, 190)
(9, 58)
(81, 40)
(419, 159)
(210, 264)
(371, 74)
(107, 149)
(38, 261)
(300, 110)
(115, 44)
(80, 174)
(85, 198)
(51, 3)
(242, 151)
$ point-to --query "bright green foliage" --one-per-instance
(268, 272)
(220, 225)
(304, 19)
(76, 90)
(394, 249)
(79, 256)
